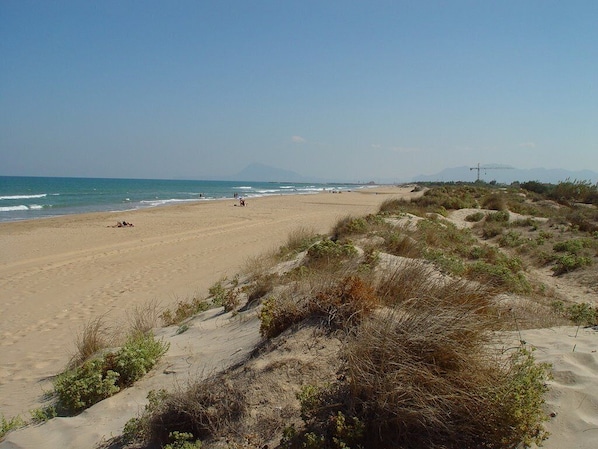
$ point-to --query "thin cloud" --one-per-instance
(298, 139)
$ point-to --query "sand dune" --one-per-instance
(56, 274)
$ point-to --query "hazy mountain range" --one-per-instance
(501, 174)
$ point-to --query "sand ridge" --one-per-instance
(56, 274)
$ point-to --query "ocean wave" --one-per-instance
(22, 197)
(152, 203)
(243, 187)
(13, 208)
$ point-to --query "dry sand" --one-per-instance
(57, 274)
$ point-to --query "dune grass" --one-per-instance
(419, 365)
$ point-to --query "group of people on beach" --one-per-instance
(241, 199)
(122, 224)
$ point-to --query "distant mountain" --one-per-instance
(507, 176)
(264, 173)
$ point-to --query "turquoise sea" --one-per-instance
(26, 198)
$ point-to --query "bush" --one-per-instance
(475, 217)
(574, 246)
(104, 376)
(7, 425)
(337, 305)
(506, 275)
(495, 201)
(184, 310)
(569, 262)
(421, 378)
(511, 239)
(502, 216)
(327, 251)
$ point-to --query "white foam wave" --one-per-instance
(13, 208)
(244, 187)
(22, 197)
(36, 207)
(168, 201)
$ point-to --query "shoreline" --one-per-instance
(58, 273)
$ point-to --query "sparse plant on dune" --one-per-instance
(94, 337)
(8, 425)
(142, 319)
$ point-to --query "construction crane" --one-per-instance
(489, 167)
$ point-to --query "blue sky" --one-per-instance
(350, 90)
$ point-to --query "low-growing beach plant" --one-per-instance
(218, 293)
(330, 251)
(511, 239)
(7, 425)
(475, 217)
(492, 229)
(566, 263)
(582, 314)
(43, 414)
(184, 310)
(104, 375)
(502, 216)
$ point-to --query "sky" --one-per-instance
(339, 90)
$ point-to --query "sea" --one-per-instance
(28, 198)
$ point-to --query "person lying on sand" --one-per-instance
(122, 224)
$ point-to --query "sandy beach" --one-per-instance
(56, 274)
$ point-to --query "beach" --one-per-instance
(57, 274)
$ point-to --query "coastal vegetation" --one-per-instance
(401, 319)
(415, 304)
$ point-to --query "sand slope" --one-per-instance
(57, 274)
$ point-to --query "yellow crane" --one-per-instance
(489, 167)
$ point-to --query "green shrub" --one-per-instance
(184, 310)
(511, 239)
(103, 376)
(582, 314)
(502, 216)
(328, 250)
(491, 229)
(218, 293)
(7, 425)
(348, 226)
(569, 262)
(43, 414)
(535, 186)
(520, 401)
(475, 217)
(573, 246)
(504, 275)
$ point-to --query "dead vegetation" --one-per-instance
(359, 353)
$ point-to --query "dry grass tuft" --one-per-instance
(421, 376)
(205, 409)
(94, 337)
(143, 318)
